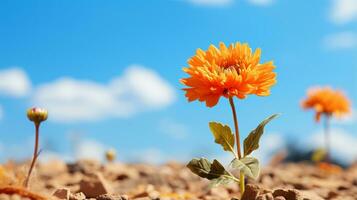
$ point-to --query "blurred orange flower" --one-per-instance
(325, 100)
(329, 168)
(227, 71)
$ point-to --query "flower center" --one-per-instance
(230, 64)
(225, 91)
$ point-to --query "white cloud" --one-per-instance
(343, 144)
(14, 82)
(261, 2)
(211, 2)
(342, 40)
(173, 129)
(144, 86)
(19, 150)
(343, 11)
(90, 149)
(154, 155)
(83, 148)
(150, 155)
(138, 89)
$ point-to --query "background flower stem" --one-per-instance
(327, 137)
(35, 154)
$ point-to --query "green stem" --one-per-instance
(241, 182)
(241, 177)
(231, 102)
(327, 138)
(35, 155)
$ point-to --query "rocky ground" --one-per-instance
(114, 181)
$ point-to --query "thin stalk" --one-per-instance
(241, 182)
(241, 177)
(327, 137)
(235, 126)
(35, 155)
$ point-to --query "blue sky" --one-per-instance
(134, 51)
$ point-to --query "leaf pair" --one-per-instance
(215, 172)
(224, 136)
(218, 175)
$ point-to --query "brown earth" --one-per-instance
(88, 179)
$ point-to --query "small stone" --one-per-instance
(142, 198)
(332, 194)
(94, 186)
(154, 194)
(62, 193)
(77, 196)
(251, 192)
(141, 195)
(111, 197)
(84, 166)
(354, 182)
(267, 196)
(342, 187)
(279, 198)
(289, 194)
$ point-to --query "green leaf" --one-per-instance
(223, 136)
(222, 180)
(214, 172)
(205, 169)
(251, 143)
(248, 165)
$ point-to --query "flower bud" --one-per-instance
(110, 155)
(37, 115)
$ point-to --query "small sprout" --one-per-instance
(224, 72)
(110, 155)
(318, 155)
(36, 115)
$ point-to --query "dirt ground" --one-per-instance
(88, 179)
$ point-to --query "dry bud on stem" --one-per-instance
(36, 115)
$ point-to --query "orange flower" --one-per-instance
(326, 101)
(227, 71)
(329, 168)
